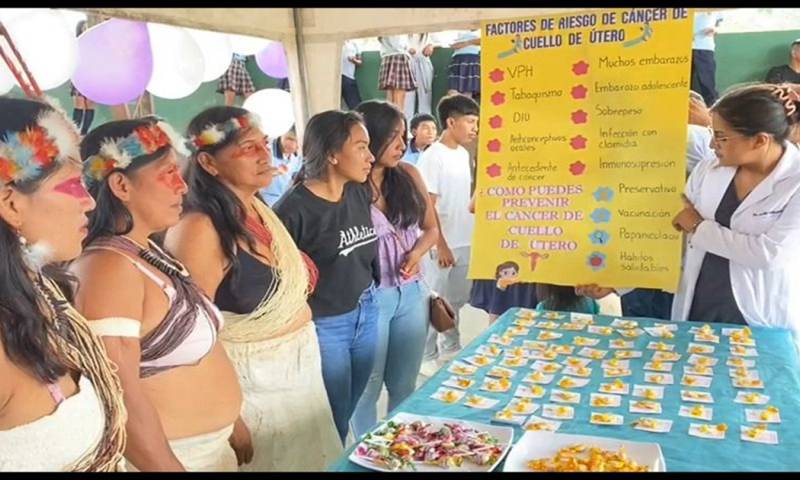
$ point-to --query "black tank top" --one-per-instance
(241, 291)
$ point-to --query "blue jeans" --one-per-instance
(347, 345)
(402, 328)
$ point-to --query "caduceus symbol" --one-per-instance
(514, 50)
(647, 33)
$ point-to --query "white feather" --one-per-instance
(175, 139)
(216, 134)
(63, 133)
(37, 255)
(255, 119)
(110, 150)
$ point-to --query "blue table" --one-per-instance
(777, 363)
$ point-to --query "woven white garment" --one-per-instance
(207, 452)
(56, 441)
(285, 402)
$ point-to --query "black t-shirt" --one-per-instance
(341, 240)
(782, 74)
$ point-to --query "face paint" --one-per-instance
(72, 187)
(252, 147)
(172, 179)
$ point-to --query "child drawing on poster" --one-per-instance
(507, 274)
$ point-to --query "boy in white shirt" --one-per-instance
(445, 167)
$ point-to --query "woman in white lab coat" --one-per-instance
(742, 217)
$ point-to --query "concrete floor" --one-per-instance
(472, 323)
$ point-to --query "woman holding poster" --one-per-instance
(742, 216)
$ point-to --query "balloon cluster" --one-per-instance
(37, 34)
(114, 62)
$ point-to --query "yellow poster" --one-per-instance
(581, 162)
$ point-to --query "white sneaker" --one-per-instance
(429, 368)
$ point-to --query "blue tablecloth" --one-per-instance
(777, 363)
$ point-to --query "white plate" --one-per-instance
(543, 444)
(504, 434)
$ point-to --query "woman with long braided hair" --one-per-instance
(181, 391)
(60, 400)
(242, 256)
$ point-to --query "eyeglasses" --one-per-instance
(720, 139)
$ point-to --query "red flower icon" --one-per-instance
(580, 68)
(493, 145)
(497, 75)
(494, 170)
(498, 98)
(579, 92)
(496, 121)
(580, 117)
(596, 261)
(577, 168)
(578, 143)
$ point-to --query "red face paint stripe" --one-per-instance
(72, 187)
(172, 179)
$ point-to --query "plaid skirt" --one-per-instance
(396, 74)
(464, 73)
(236, 79)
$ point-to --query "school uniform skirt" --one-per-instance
(396, 73)
(464, 73)
(485, 296)
(236, 79)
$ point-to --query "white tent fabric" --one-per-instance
(313, 37)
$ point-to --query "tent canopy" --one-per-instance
(313, 37)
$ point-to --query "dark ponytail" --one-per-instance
(326, 133)
(760, 108)
(405, 204)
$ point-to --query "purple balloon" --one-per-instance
(115, 62)
(272, 60)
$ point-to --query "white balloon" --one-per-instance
(8, 14)
(246, 45)
(217, 52)
(274, 107)
(178, 63)
(72, 18)
(46, 44)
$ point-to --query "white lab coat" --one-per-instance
(763, 243)
(698, 149)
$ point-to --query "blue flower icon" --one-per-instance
(603, 194)
(601, 215)
(599, 237)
